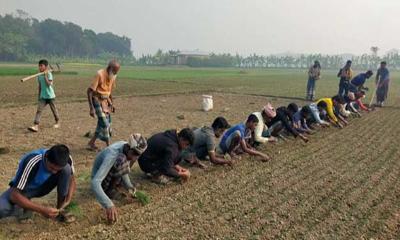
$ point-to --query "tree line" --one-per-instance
(364, 61)
(23, 37)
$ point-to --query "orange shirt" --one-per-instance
(101, 83)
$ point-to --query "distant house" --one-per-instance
(181, 58)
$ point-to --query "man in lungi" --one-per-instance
(382, 84)
(101, 102)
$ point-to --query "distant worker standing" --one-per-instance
(382, 84)
(314, 74)
(101, 102)
(345, 74)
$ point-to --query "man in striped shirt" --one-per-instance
(38, 173)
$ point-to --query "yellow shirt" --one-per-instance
(329, 104)
(102, 84)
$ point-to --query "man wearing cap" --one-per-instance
(111, 168)
(101, 102)
(39, 172)
(345, 74)
(261, 132)
(357, 83)
(314, 74)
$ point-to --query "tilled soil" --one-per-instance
(343, 184)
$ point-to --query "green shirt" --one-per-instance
(46, 91)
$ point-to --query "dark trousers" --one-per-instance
(343, 87)
(61, 180)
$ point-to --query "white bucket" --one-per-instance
(207, 103)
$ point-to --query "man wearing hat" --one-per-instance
(111, 167)
(314, 74)
(261, 133)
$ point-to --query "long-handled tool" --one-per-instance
(41, 73)
(33, 76)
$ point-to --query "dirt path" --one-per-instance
(343, 184)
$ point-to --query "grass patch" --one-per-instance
(74, 208)
(143, 197)
(17, 71)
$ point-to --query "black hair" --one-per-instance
(348, 62)
(44, 62)
(58, 155)
(252, 119)
(383, 62)
(370, 72)
(187, 134)
(322, 104)
(306, 110)
(292, 107)
(339, 99)
(220, 123)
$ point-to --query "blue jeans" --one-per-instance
(61, 180)
(310, 88)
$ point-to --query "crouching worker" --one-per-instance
(234, 140)
(315, 118)
(205, 144)
(163, 154)
(331, 106)
(39, 172)
(111, 168)
(261, 133)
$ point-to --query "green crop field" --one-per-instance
(141, 81)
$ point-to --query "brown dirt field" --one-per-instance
(343, 184)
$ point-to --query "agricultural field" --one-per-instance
(343, 184)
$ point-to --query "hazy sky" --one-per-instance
(242, 26)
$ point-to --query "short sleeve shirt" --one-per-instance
(102, 84)
(46, 91)
(204, 141)
(32, 171)
(241, 128)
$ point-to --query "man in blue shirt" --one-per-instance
(357, 83)
(235, 138)
(39, 172)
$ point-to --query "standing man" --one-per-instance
(382, 84)
(345, 74)
(314, 74)
(46, 95)
(101, 102)
(39, 172)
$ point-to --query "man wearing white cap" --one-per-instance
(261, 133)
(111, 167)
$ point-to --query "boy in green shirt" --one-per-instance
(46, 95)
